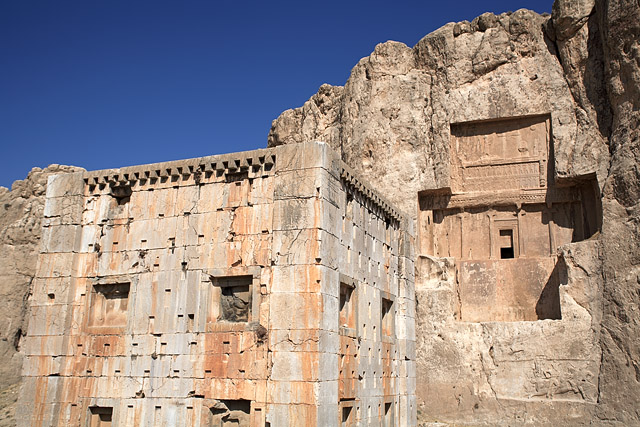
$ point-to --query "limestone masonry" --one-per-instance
(270, 287)
(497, 282)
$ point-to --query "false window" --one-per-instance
(109, 305)
(232, 298)
(387, 317)
(388, 415)
(347, 412)
(100, 416)
(507, 250)
(347, 307)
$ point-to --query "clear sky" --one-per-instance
(103, 84)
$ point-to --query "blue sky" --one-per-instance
(103, 84)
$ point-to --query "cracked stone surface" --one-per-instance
(392, 122)
(205, 291)
(21, 210)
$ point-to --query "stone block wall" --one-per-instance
(208, 291)
(377, 306)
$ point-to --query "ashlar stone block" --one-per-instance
(208, 290)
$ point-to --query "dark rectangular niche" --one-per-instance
(506, 244)
(100, 416)
(231, 413)
(235, 298)
(387, 317)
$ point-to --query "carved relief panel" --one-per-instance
(500, 155)
(502, 219)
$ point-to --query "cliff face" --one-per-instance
(394, 120)
(579, 69)
(21, 212)
(391, 121)
(620, 374)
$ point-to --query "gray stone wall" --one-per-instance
(207, 290)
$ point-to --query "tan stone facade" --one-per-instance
(265, 288)
(524, 315)
(503, 219)
(509, 273)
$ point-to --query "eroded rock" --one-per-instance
(396, 120)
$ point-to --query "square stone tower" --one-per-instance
(264, 288)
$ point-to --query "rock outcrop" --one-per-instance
(619, 21)
(21, 213)
(393, 121)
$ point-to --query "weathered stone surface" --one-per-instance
(395, 122)
(569, 16)
(21, 215)
(392, 119)
(620, 380)
(208, 291)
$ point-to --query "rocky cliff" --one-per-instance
(393, 121)
(619, 22)
(21, 212)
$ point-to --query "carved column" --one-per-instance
(492, 237)
(552, 234)
(519, 214)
